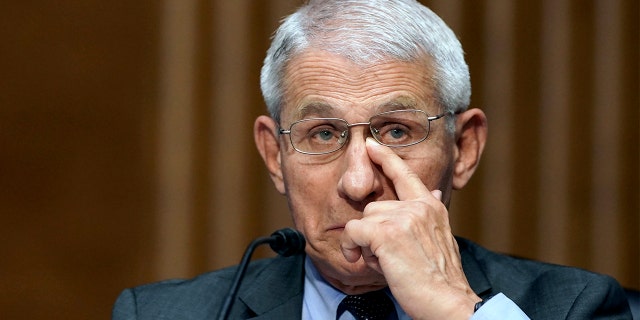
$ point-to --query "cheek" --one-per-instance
(309, 190)
(434, 168)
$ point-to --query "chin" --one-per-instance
(353, 278)
(361, 282)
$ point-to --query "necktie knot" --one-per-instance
(374, 305)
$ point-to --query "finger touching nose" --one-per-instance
(359, 179)
(407, 184)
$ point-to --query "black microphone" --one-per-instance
(286, 242)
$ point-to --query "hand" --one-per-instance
(410, 242)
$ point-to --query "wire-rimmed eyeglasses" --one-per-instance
(398, 128)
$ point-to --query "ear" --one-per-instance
(267, 142)
(471, 136)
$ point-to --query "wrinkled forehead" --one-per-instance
(322, 84)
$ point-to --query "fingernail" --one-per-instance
(372, 142)
(437, 194)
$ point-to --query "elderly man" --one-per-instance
(368, 135)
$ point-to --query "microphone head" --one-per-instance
(287, 242)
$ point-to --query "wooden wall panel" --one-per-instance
(77, 125)
(175, 187)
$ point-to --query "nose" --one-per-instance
(360, 177)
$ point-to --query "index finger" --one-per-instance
(407, 183)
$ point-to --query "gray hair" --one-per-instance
(366, 31)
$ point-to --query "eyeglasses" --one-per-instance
(398, 128)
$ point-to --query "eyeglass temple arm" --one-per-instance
(446, 113)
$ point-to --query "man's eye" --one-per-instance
(397, 133)
(325, 135)
(394, 133)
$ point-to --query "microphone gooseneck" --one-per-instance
(286, 242)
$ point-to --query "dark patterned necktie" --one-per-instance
(374, 305)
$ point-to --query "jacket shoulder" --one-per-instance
(196, 298)
(549, 291)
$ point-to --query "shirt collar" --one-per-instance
(321, 300)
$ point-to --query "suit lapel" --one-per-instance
(276, 291)
(472, 270)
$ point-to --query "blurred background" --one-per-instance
(126, 147)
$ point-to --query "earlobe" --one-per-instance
(471, 136)
(267, 142)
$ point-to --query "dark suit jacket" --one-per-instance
(273, 289)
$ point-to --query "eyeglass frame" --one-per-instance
(371, 129)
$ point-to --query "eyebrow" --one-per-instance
(325, 110)
(399, 103)
(315, 109)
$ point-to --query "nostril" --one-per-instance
(371, 197)
(360, 204)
